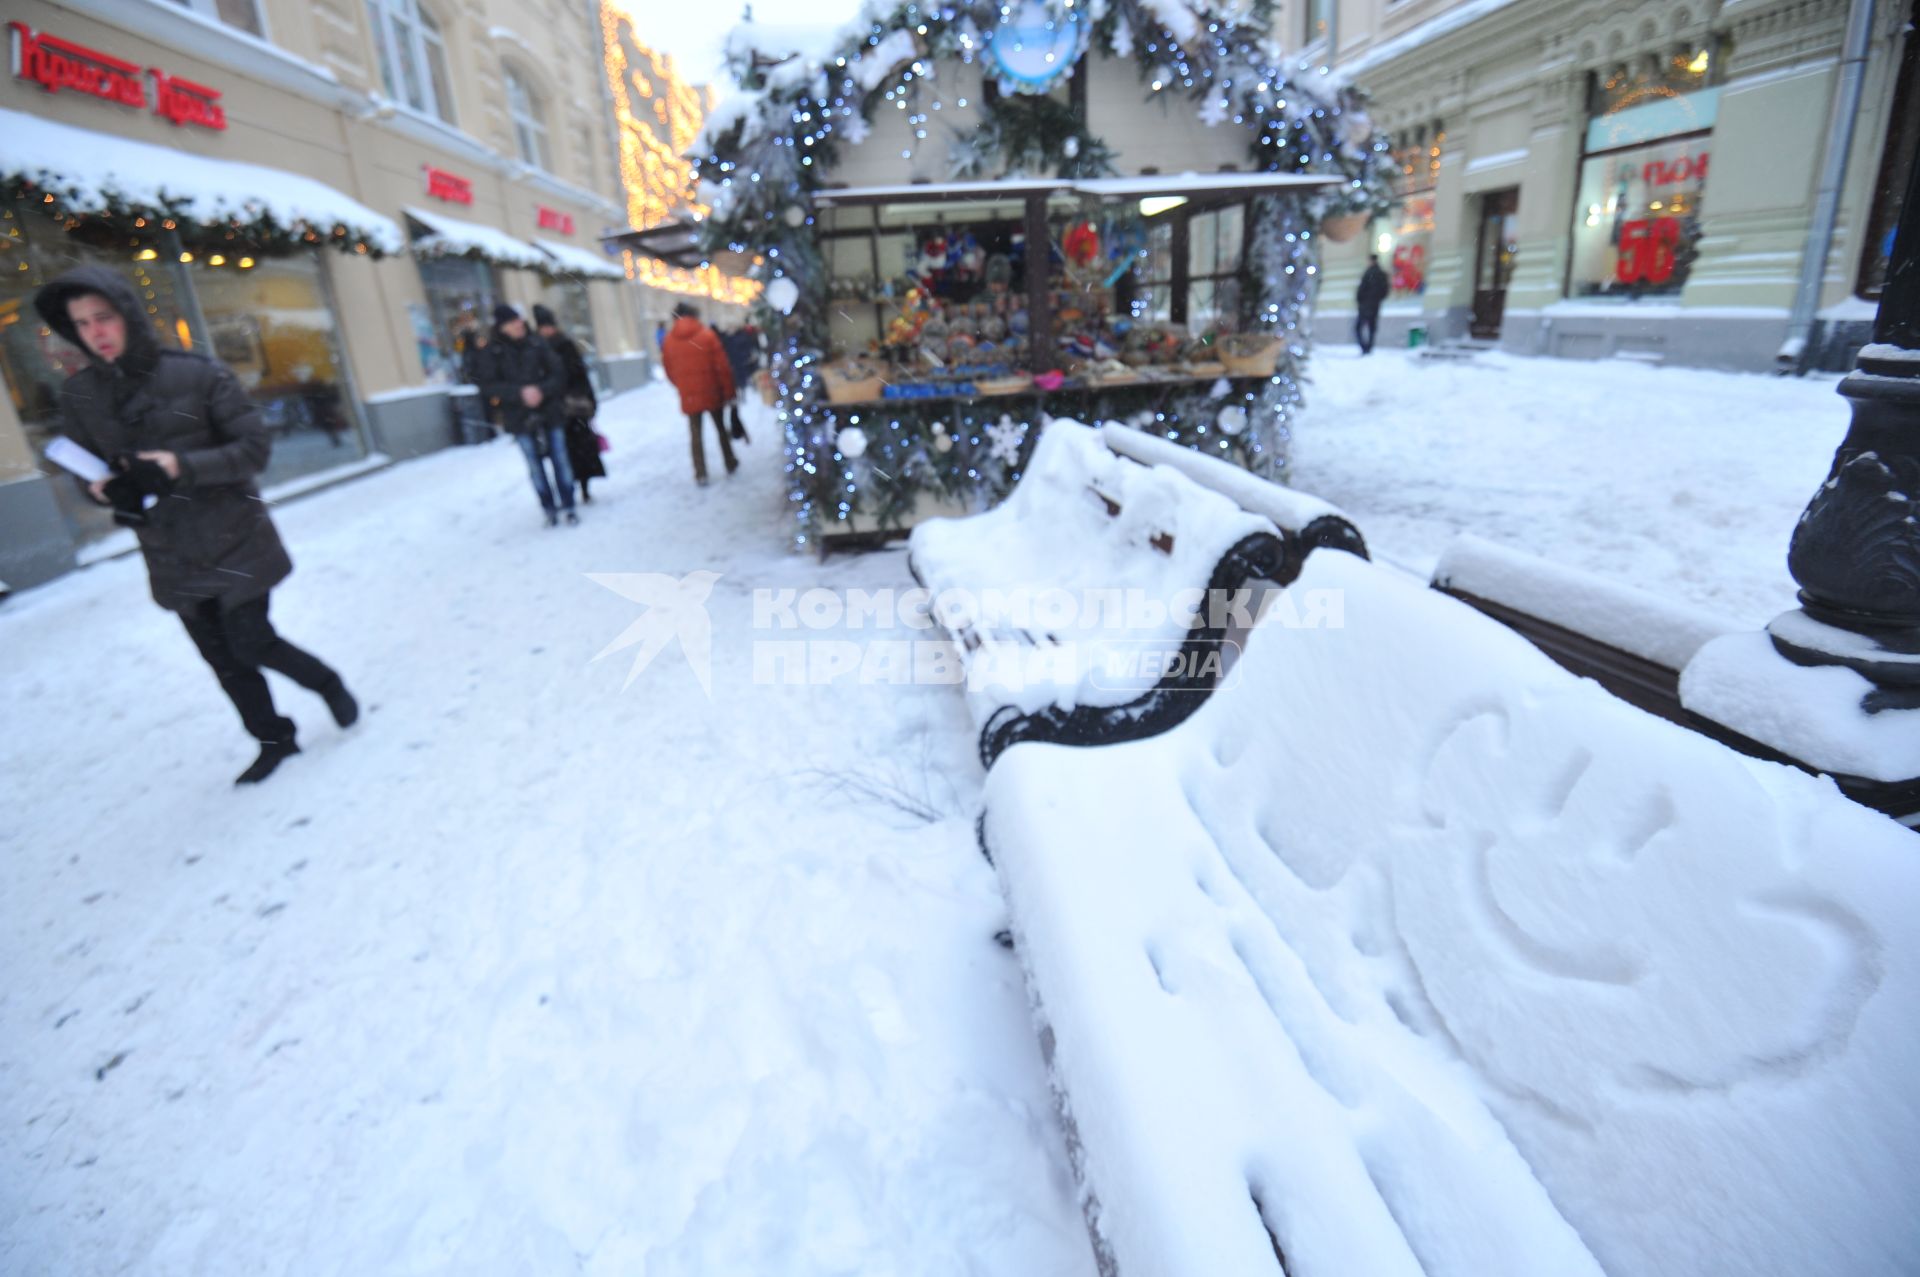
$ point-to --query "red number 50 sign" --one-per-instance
(1647, 250)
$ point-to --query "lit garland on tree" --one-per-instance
(759, 163)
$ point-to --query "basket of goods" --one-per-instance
(1012, 384)
(852, 381)
(1250, 354)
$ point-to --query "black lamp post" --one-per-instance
(1856, 551)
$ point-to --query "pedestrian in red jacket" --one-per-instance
(698, 367)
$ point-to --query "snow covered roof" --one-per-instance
(452, 237)
(1191, 184)
(97, 172)
(578, 261)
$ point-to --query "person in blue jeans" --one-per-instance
(523, 377)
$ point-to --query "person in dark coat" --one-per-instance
(521, 374)
(579, 403)
(179, 428)
(743, 352)
(696, 364)
(1373, 291)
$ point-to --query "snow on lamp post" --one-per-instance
(1856, 550)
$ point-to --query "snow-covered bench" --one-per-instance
(1072, 602)
(1411, 953)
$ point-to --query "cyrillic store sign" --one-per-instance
(55, 64)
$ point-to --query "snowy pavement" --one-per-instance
(1683, 482)
(533, 972)
(524, 974)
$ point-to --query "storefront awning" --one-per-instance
(568, 260)
(677, 243)
(89, 173)
(451, 237)
(1190, 185)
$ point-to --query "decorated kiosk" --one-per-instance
(970, 219)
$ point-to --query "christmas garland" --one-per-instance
(758, 164)
(261, 234)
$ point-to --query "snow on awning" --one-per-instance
(568, 260)
(676, 243)
(1191, 185)
(98, 173)
(451, 237)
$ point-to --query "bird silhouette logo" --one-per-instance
(676, 607)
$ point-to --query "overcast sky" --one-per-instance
(693, 30)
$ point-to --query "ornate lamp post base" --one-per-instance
(1856, 551)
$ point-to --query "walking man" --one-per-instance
(179, 429)
(577, 405)
(1373, 291)
(698, 367)
(521, 374)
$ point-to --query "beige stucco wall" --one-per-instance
(1515, 80)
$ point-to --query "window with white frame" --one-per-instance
(241, 14)
(529, 124)
(413, 56)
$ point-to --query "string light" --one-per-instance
(657, 181)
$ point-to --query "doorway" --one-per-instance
(1499, 246)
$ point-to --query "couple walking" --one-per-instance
(538, 384)
(708, 372)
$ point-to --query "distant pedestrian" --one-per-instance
(697, 366)
(743, 353)
(578, 404)
(1373, 291)
(520, 373)
(178, 429)
(660, 334)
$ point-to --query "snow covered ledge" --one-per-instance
(1412, 953)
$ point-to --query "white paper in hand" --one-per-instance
(70, 456)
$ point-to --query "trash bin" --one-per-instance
(1416, 336)
(470, 425)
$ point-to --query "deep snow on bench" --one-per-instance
(1411, 953)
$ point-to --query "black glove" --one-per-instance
(128, 490)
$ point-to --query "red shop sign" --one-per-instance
(55, 64)
(552, 219)
(1667, 172)
(184, 102)
(448, 186)
(1649, 250)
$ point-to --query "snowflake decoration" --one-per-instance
(855, 128)
(1214, 112)
(1004, 440)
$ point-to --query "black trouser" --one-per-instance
(239, 642)
(699, 451)
(1364, 329)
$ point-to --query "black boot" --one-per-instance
(346, 710)
(272, 754)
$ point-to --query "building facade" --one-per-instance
(1596, 179)
(329, 195)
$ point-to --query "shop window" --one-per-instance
(529, 120)
(460, 301)
(1896, 170)
(1316, 20)
(243, 15)
(413, 56)
(1638, 215)
(1152, 299)
(1403, 239)
(271, 323)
